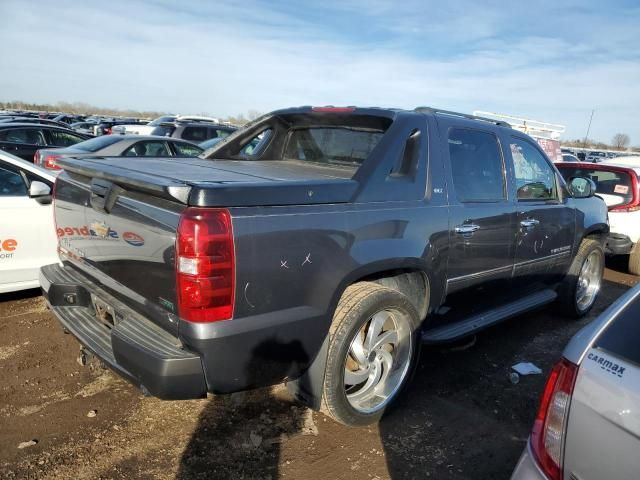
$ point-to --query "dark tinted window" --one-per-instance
(476, 165)
(614, 184)
(152, 148)
(196, 134)
(622, 335)
(60, 138)
(340, 146)
(535, 178)
(29, 136)
(186, 149)
(11, 183)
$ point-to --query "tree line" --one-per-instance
(82, 108)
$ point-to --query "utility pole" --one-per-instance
(584, 144)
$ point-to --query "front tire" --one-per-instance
(374, 344)
(581, 286)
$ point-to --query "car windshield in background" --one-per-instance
(616, 185)
(98, 143)
(160, 120)
(332, 145)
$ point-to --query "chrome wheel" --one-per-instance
(589, 281)
(378, 360)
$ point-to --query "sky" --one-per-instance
(550, 60)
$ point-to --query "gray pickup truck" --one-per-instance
(320, 247)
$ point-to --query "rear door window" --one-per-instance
(60, 138)
(28, 136)
(476, 165)
(152, 148)
(186, 149)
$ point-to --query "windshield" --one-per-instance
(159, 120)
(95, 144)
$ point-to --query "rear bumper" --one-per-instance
(527, 468)
(618, 244)
(134, 347)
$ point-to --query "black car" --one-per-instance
(323, 257)
(24, 139)
(193, 131)
(119, 146)
(42, 121)
(105, 127)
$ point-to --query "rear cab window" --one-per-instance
(338, 144)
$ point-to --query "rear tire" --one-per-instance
(373, 347)
(581, 286)
(634, 260)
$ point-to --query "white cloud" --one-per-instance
(225, 59)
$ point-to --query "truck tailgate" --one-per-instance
(117, 218)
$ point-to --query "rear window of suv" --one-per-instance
(614, 184)
(621, 336)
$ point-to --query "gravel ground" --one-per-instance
(460, 418)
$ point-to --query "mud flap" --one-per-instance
(307, 388)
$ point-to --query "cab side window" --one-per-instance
(476, 165)
(535, 178)
(64, 139)
(11, 183)
(28, 136)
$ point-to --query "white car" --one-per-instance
(618, 183)
(27, 233)
(588, 423)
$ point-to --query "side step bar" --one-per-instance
(486, 319)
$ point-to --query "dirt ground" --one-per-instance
(461, 418)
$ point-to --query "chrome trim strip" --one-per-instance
(508, 267)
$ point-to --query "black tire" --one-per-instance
(634, 260)
(357, 305)
(568, 289)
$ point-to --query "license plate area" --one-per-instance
(104, 312)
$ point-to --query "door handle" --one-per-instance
(467, 229)
(529, 223)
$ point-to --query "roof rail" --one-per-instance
(463, 115)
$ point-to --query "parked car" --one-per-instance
(69, 118)
(27, 233)
(105, 127)
(567, 157)
(118, 146)
(83, 127)
(41, 121)
(193, 131)
(587, 425)
(149, 128)
(322, 258)
(617, 183)
(24, 139)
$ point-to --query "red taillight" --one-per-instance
(107, 130)
(547, 436)
(50, 162)
(634, 204)
(205, 265)
(333, 109)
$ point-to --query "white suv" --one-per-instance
(617, 182)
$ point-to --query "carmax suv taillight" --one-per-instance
(205, 265)
(549, 428)
(50, 162)
(634, 204)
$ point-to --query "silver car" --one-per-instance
(588, 424)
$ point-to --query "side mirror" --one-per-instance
(581, 187)
(40, 191)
